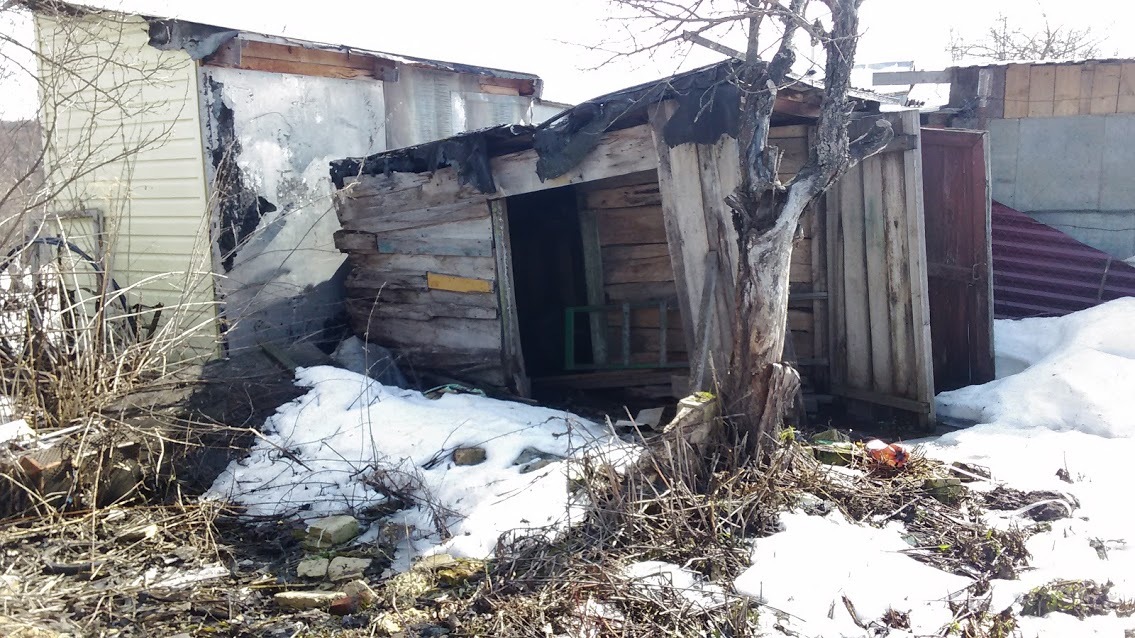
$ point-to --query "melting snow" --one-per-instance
(318, 452)
(1065, 399)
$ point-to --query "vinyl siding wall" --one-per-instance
(122, 123)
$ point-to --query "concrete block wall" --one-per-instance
(1076, 173)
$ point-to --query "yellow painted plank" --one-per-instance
(1126, 102)
(1105, 89)
(1016, 91)
(1042, 88)
(435, 281)
(1067, 93)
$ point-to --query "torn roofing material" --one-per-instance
(707, 107)
(201, 40)
(468, 152)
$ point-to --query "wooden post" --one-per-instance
(511, 352)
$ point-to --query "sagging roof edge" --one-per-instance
(200, 40)
(708, 107)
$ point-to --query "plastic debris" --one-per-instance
(891, 455)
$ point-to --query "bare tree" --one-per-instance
(759, 385)
(1003, 42)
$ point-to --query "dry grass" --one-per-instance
(84, 571)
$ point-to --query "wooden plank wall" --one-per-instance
(694, 181)
(634, 261)
(428, 258)
(1083, 88)
(423, 280)
(876, 253)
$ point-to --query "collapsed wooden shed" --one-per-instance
(598, 251)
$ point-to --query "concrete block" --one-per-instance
(301, 600)
(1059, 164)
(1004, 139)
(1117, 185)
(1113, 232)
(312, 568)
(346, 568)
(332, 530)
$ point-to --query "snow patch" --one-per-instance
(318, 453)
(804, 572)
(1064, 401)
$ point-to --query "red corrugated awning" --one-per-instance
(1041, 271)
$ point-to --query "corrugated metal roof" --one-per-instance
(1040, 271)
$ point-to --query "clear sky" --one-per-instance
(551, 39)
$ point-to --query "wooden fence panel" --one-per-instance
(876, 279)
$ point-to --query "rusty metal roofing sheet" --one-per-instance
(1041, 271)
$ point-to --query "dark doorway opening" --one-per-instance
(548, 276)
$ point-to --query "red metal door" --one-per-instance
(955, 180)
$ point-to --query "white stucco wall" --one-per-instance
(283, 283)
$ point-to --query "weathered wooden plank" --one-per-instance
(478, 267)
(593, 264)
(882, 373)
(800, 268)
(391, 279)
(351, 241)
(855, 301)
(642, 292)
(1105, 89)
(671, 207)
(439, 281)
(631, 226)
(820, 343)
(1016, 91)
(717, 213)
(688, 222)
(1067, 90)
(624, 197)
(727, 157)
(372, 216)
(421, 297)
(295, 53)
(645, 318)
(420, 312)
(294, 67)
(1126, 102)
(438, 333)
(618, 253)
(438, 245)
(393, 192)
(441, 235)
(1087, 79)
(869, 396)
(837, 314)
(916, 252)
(621, 152)
(898, 278)
(478, 367)
(511, 356)
(1042, 89)
(638, 270)
(795, 154)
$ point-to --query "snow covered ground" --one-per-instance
(318, 452)
(1064, 400)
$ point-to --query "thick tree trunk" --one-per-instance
(760, 386)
